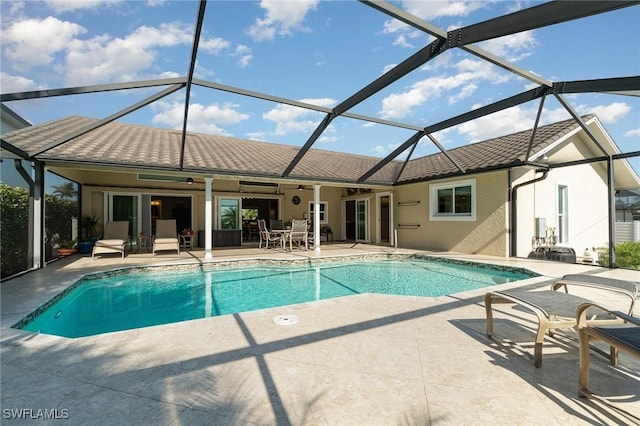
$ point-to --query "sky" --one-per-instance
(317, 52)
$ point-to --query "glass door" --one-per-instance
(125, 207)
(229, 213)
(356, 219)
(362, 220)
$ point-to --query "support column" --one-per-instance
(208, 226)
(611, 186)
(38, 217)
(316, 218)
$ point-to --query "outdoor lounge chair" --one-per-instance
(556, 309)
(116, 237)
(166, 237)
(624, 336)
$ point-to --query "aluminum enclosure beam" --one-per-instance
(616, 85)
(109, 119)
(418, 23)
(192, 66)
(416, 60)
(304, 105)
(48, 93)
(550, 13)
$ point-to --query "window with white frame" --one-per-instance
(322, 213)
(453, 200)
(563, 214)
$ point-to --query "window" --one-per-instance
(563, 217)
(453, 201)
(323, 211)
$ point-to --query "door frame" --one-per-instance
(367, 232)
(379, 196)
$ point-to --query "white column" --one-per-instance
(316, 217)
(208, 210)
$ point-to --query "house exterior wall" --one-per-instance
(487, 234)
(587, 207)
(100, 182)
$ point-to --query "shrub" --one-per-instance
(627, 255)
(14, 216)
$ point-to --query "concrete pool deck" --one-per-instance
(357, 360)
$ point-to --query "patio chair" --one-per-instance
(623, 336)
(116, 237)
(276, 224)
(166, 237)
(556, 309)
(267, 236)
(299, 234)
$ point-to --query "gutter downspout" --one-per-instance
(513, 210)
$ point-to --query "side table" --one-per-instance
(144, 242)
(186, 241)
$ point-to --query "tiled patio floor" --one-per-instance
(359, 360)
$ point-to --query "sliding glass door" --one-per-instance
(125, 207)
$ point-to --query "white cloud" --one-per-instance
(214, 45)
(34, 42)
(60, 6)
(243, 55)
(513, 47)
(204, 119)
(633, 133)
(290, 118)
(15, 83)
(497, 124)
(608, 114)
(102, 59)
(399, 105)
(282, 18)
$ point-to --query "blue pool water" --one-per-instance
(134, 300)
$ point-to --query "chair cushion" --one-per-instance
(166, 240)
(110, 243)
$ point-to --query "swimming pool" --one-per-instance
(127, 299)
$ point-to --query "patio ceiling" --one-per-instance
(541, 15)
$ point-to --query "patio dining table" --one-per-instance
(285, 234)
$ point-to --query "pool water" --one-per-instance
(135, 300)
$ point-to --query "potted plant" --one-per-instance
(89, 229)
(66, 248)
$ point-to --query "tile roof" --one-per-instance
(138, 146)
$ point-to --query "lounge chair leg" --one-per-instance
(487, 306)
(537, 349)
(613, 355)
(583, 369)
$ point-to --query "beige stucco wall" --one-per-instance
(485, 235)
(97, 183)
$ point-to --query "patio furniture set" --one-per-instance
(116, 238)
(297, 234)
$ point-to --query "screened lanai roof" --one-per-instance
(380, 104)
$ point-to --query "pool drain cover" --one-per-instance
(285, 319)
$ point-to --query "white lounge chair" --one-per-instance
(166, 237)
(116, 237)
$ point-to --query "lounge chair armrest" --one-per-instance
(581, 315)
(621, 287)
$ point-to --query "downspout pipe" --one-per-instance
(513, 211)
